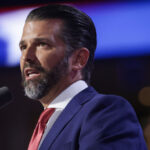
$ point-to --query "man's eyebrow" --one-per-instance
(42, 39)
(22, 42)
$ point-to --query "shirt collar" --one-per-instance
(65, 96)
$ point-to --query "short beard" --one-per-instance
(38, 88)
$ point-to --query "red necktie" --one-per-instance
(39, 129)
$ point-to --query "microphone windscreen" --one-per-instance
(5, 96)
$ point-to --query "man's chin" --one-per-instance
(35, 89)
(33, 92)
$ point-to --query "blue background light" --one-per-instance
(123, 29)
(3, 52)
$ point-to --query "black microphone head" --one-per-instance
(5, 96)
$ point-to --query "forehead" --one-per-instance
(42, 27)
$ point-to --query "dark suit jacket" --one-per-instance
(93, 121)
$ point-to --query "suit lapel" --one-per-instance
(69, 112)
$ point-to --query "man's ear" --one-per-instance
(80, 58)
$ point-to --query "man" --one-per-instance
(57, 47)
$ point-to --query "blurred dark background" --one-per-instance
(127, 76)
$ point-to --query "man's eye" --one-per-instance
(23, 47)
(42, 44)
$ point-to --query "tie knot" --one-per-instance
(45, 115)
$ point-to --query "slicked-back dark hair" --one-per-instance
(78, 30)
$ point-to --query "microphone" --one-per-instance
(5, 96)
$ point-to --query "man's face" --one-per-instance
(42, 62)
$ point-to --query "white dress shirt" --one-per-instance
(61, 101)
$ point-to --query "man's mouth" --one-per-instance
(31, 73)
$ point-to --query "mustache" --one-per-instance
(34, 66)
(37, 67)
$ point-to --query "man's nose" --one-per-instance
(29, 55)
